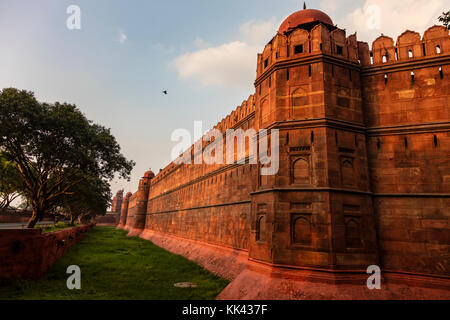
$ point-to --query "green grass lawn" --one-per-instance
(114, 266)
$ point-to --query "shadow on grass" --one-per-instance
(115, 267)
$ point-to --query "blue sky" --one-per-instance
(202, 51)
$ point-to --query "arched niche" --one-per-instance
(301, 173)
(347, 172)
(265, 110)
(279, 45)
(265, 179)
(352, 232)
(298, 37)
(299, 99)
(261, 226)
(301, 230)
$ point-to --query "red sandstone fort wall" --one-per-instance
(209, 203)
(131, 212)
(364, 160)
(406, 100)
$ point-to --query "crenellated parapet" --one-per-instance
(300, 43)
(236, 119)
(409, 46)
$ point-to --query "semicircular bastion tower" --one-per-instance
(364, 174)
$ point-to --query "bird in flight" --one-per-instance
(165, 92)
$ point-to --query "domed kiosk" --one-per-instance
(149, 174)
(306, 17)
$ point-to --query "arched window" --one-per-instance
(301, 231)
(298, 49)
(385, 59)
(410, 54)
(438, 49)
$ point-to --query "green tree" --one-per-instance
(10, 182)
(88, 198)
(55, 147)
(445, 19)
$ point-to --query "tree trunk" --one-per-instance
(72, 220)
(35, 217)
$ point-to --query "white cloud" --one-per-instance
(259, 32)
(330, 6)
(200, 43)
(232, 63)
(164, 48)
(122, 37)
(228, 64)
(395, 18)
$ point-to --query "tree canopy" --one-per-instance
(91, 197)
(445, 19)
(55, 148)
(10, 182)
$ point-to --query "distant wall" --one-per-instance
(12, 216)
(111, 219)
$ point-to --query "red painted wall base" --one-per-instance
(251, 280)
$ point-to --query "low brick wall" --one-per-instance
(27, 254)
